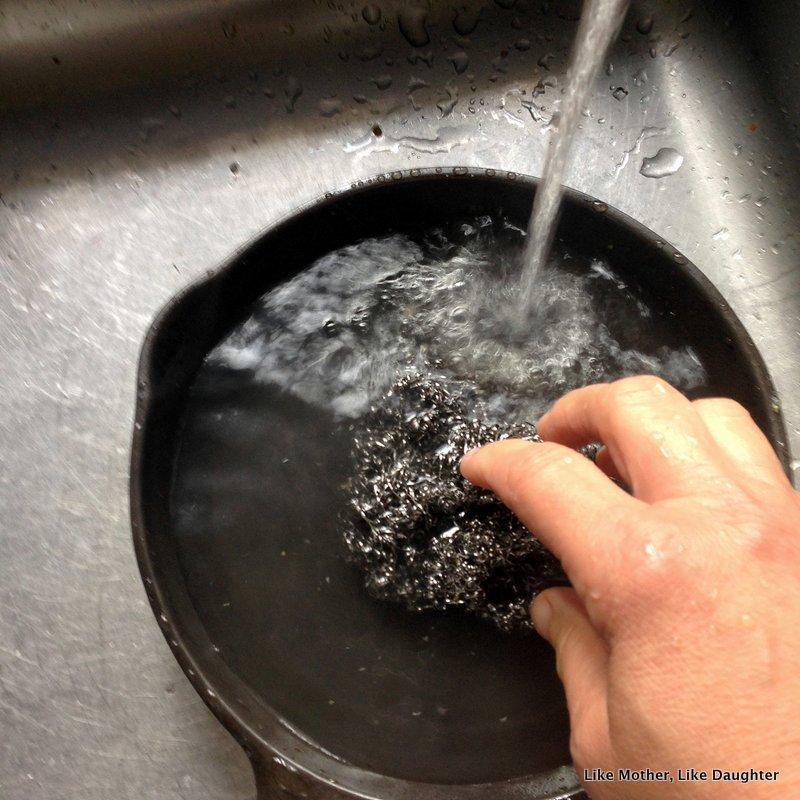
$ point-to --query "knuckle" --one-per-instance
(659, 561)
(724, 406)
(638, 389)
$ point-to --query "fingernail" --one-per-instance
(541, 614)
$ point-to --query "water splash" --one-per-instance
(338, 334)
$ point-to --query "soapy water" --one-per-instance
(444, 306)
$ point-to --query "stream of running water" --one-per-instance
(599, 24)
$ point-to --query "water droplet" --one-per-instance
(234, 167)
(371, 14)
(599, 206)
(330, 106)
(426, 57)
(291, 93)
(667, 161)
(369, 53)
(383, 81)
(413, 22)
(645, 25)
(522, 44)
(544, 61)
(460, 61)
(447, 104)
(619, 92)
(721, 235)
(466, 20)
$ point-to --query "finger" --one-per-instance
(654, 436)
(741, 439)
(581, 659)
(559, 495)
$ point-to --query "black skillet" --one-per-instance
(331, 694)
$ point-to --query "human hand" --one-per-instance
(679, 643)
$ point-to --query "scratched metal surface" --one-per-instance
(142, 144)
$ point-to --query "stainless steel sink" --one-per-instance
(143, 143)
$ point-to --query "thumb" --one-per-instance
(582, 663)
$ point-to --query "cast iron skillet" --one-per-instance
(331, 694)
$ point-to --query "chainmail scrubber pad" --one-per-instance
(424, 536)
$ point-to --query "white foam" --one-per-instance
(338, 334)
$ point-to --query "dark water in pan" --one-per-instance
(265, 450)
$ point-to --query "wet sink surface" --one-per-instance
(138, 152)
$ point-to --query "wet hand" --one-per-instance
(679, 643)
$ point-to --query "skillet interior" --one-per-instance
(249, 565)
